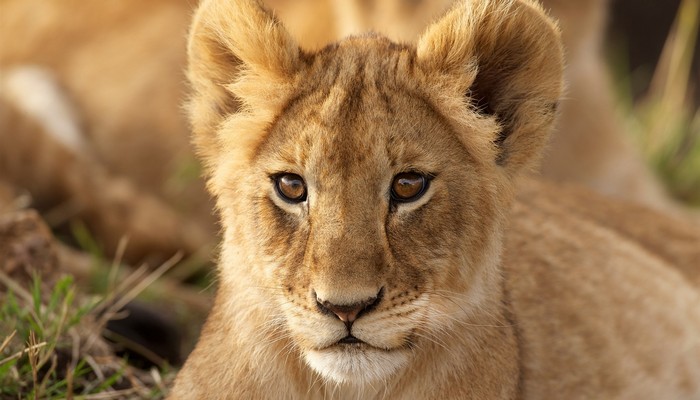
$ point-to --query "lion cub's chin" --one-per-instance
(356, 364)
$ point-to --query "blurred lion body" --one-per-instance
(473, 293)
(91, 92)
(120, 67)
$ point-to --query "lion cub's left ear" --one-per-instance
(239, 59)
(506, 57)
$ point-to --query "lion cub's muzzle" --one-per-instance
(349, 313)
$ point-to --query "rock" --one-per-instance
(26, 247)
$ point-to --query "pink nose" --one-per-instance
(350, 312)
(347, 314)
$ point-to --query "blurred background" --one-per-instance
(653, 54)
(107, 236)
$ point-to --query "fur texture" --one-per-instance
(570, 305)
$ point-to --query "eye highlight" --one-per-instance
(409, 186)
(290, 187)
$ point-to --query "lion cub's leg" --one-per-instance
(47, 155)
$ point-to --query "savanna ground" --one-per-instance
(56, 338)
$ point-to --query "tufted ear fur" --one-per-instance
(240, 58)
(506, 57)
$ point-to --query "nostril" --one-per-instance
(348, 313)
(374, 302)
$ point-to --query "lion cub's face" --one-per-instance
(361, 187)
(368, 208)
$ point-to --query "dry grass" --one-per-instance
(52, 346)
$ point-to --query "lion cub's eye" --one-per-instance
(290, 187)
(408, 186)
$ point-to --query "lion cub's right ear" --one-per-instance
(240, 58)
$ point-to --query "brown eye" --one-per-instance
(290, 187)
(408, 186)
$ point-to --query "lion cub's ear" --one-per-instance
(506, 57)
(239, 55)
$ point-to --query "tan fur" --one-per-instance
(482, 296)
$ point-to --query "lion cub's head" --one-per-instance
(361, 187)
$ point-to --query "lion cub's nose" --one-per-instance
(348, 313)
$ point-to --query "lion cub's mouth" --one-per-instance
(350, 339)
(352, 343)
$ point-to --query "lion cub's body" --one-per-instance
(459, 292)
(605, 298)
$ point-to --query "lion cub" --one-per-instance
(374, 246)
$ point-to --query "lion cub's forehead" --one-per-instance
(369, 59)
(357, 109)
